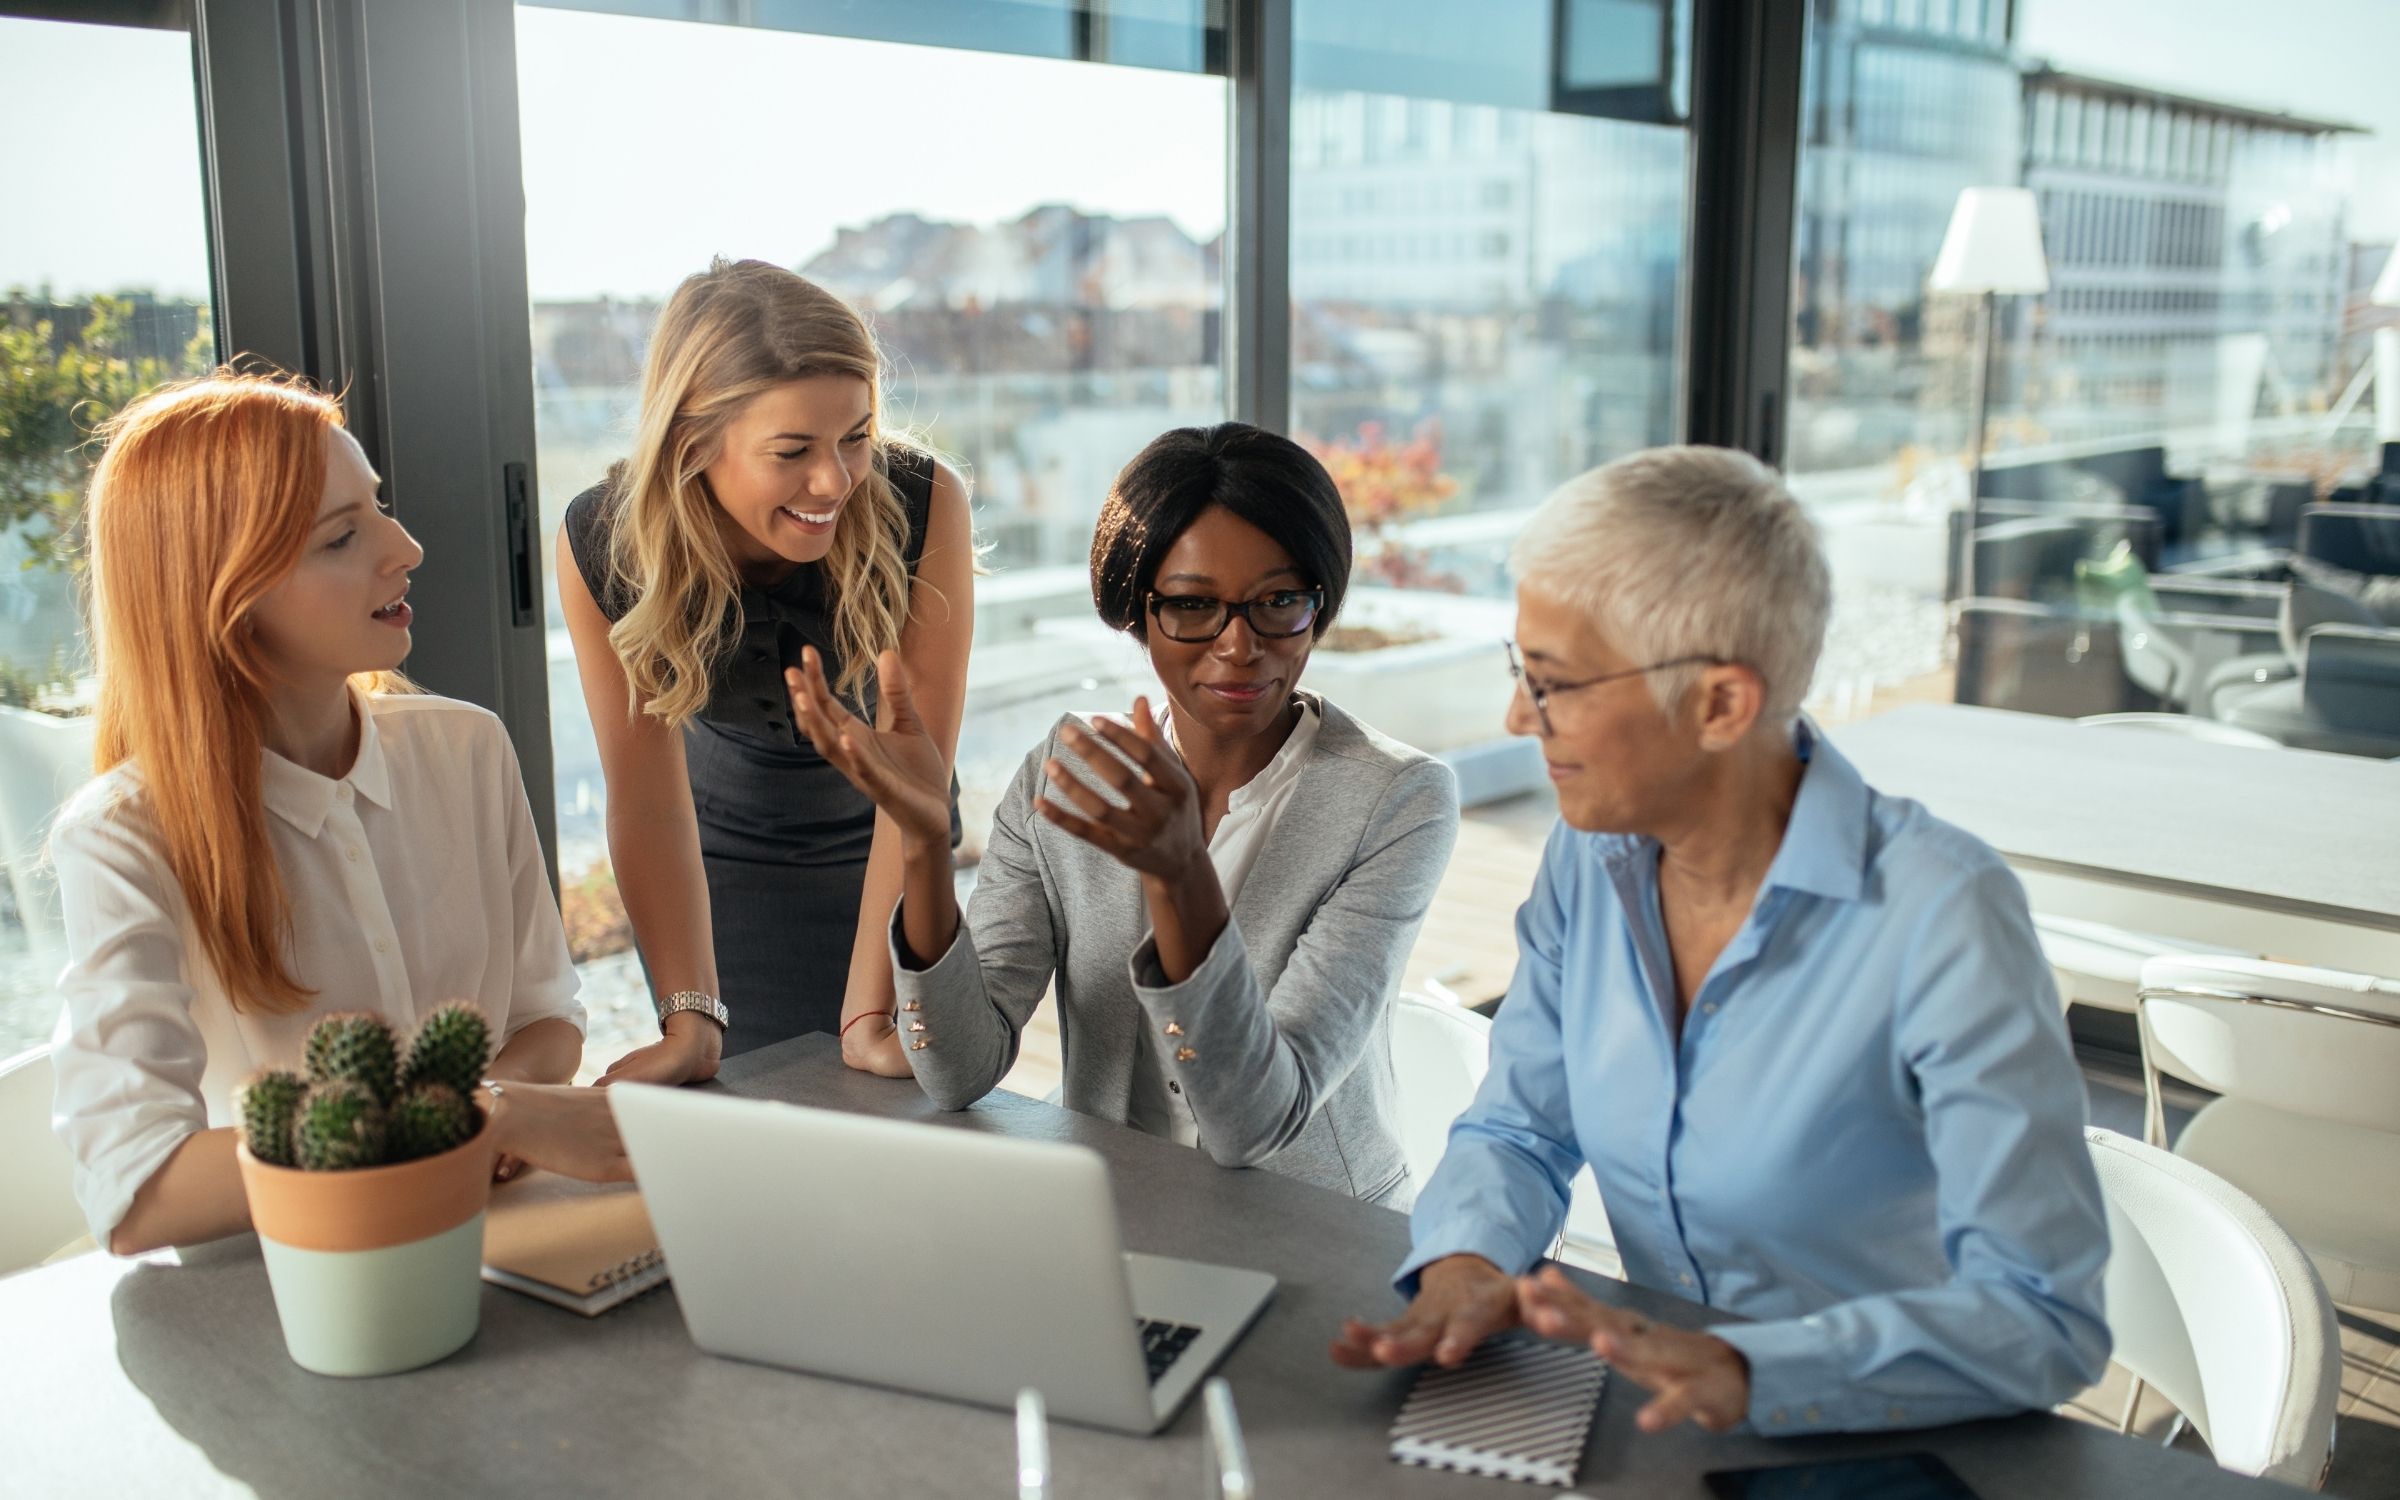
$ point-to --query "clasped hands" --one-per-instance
(1155, 832)
(1464, 1299)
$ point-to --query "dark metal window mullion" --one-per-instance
(1257, 265)
(1746, 71)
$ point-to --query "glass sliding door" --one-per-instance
(104, 293)
(1030, 216)
(1487, 260)
(2188, 404)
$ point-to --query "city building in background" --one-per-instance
(1899, 110)
(2197, 254)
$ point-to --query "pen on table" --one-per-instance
(1229, 1457)
(1033, 1447)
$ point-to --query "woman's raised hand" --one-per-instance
(900, 769)
(1156, 833)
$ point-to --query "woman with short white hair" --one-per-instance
(1800, 1030)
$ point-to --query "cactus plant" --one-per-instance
(428, 1119)
(359, 1047)
(340, 1126)
(452, 1046)
(268, 1104)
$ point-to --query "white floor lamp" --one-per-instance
(1993, 249)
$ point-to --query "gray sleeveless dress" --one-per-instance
(783, 836)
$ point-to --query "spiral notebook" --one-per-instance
(584, 1246)
(1517, 1409)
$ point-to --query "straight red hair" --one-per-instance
(201, 504)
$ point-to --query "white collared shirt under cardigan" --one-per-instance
(413, 880)
(1281, 1039)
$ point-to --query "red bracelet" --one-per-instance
(861, 1016)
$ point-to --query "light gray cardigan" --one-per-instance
(1288, 1019)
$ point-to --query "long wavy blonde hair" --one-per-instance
(728, 334)
(201, 504)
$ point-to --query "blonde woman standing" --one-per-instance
(763, 510)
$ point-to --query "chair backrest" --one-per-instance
(2182, 726)
(2350, 678)
(2317, 1042)
(2362, 538)
(2038, 660)
(37, 1176)
(2216, 1307)
(1439, 1055)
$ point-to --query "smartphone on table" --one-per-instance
(1902, 1476)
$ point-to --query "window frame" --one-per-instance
(339, 138)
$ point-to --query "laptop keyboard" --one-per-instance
(1163, 1343)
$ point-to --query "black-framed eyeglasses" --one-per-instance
(1540, 691)
(1193, 618)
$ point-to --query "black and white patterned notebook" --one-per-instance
(1517, 1409)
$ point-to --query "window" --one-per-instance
(102, 295)
(2186, 360)
(1047, 289)
(1545, 335)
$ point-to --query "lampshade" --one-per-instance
(1994, 244)
(2387, 286)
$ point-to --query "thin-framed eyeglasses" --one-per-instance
(1541, 691)
(1194, 618)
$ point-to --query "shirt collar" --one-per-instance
(302, 798)
(1824, 849)
(1271, 776)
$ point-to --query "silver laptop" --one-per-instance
(922, 1257)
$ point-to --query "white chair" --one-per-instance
(43, 759)
(36, 1173)
(1440, 1052)
(2307, 1064)
(2185, 726)
(2215, 1306)
(2098, 965)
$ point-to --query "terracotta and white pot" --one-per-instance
(377, 1269)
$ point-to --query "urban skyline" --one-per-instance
(584, 145)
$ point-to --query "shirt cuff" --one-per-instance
(1487, 1240)
(910, 981)
(1796, 1377)
(105, 1190)
(1228, 954)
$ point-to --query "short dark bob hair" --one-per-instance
(1263, 478)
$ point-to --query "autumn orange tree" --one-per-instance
(1386, 482)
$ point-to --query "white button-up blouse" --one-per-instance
(414, 880)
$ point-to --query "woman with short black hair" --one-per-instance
(1224, 894)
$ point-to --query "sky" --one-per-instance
(765, 142)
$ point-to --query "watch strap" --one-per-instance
(693, 1000)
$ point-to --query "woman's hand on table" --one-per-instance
(872, 1045)
(901, 769)
(1691, 1377)
(559, 1128)
(687, 1053)
(1156, 833)
(1461, 1301)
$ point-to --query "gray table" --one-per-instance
(164, 1378)
(2294, 853)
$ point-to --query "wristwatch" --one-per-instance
(707, 1005)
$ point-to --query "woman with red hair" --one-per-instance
(280, 828)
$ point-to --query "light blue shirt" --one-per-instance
(1867, 1134)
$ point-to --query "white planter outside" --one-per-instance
(1444, 694)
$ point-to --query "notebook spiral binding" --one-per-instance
(640, 1265)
